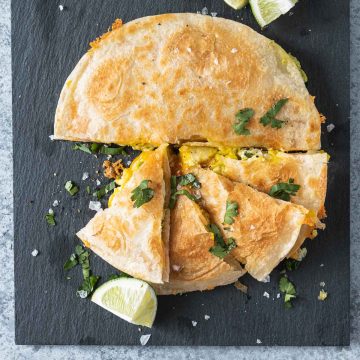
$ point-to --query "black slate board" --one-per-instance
(46, 45)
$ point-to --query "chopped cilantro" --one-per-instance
(50, 219)
(112, 150)
(81, 257)
(221, 248)
(232, 210)
(71, 188)
(82, 147)
(119, 275)
(142, 194)
(291, 264)
(88, 189)
(270, 116)
(183, 180)
(288, 288)
(243, 117)
(94, 148)
(104, 190)
(283, 191)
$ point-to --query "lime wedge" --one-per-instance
(237, 4)
(266, 11)
(130, 299)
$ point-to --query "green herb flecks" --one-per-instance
(81, 257)
(288, 289)
(104, 190)
(50, 218)
(71, 188)
(142, 194)
(232, 210)
(88, 190)
(270, 117)
(95, 148)
(112, 150)
(183, 180)
(284, 190)
(117, 276)
(243, 117)
(221, 248)
(291, 264)
(82, 147)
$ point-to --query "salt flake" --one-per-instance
(61, 7)
(194, 323)
(266, 294)
(205, 11)
(206, 317)
(85, 176)
(144, 339)
(51, 137)
(95, 205)
(35, 252)
(330, 127)
(55, 203)
(258, 341)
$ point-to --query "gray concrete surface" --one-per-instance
(8, 350)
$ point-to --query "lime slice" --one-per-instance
(237, 4)
(130, 299)
(266, 11)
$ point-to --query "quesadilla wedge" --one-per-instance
(193, 266)
(133, 233)
(264, 169)
(173, 78)
(265, 229)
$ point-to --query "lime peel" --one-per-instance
(130, 299)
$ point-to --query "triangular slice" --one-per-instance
(265, 229)
(263, 169)
(193, 266)
(135, 240)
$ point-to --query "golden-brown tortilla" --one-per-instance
(182, 77)
(135, 240)
(193, 267)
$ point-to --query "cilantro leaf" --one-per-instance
(142, 194)
(232, 210)
(104, 190)
(71, 188)
(270, 116)
(50, 219)
(183, 180)
(243, 117)
(283, 190)
(88, 285)
(105, 149)
(288, 288)
(72, 262)
(221, 248)
(291, 264)
(82, 147)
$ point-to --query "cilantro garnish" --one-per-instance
(104, 190)
(71, 188)
(232, 210)
(292, 264)
(221, 249)
(95, 148)
(243, 117)
(81, 257)
(288, 288)
(283, 190)
(183, 180)
(88, 189)
(270, 116)
(50, 218)
(142, 194)
(119, 275)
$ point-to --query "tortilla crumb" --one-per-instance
(322, 295)
(113, 170)
(243, 288)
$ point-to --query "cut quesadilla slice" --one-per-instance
(265, 229)
(264, 169)
(133, 233)
(173, 78)
(192, 266)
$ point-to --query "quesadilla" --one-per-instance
(265, 229)
(185, 77)
(193, 267)
(133, 233)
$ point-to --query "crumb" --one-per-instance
(98, 183)
(55, 174)
(322, 295)
(321, 265)
(267, 279)
(113, 170)
(278, 296)
(51, 211)
(243, 288)
(213, 14)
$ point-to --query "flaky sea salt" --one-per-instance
(194, 323)
(322, 284)
(175, 267)
(95, 205)
(98, 183)
(35, 252)
(330, 127)
(85, 176)
(144, 339)
(51, 211)
(206, 317)
(61, 7)
(278, 296)
(258, 341)
(205, 11)
(55, 203)
(213, 14)
(51, 137)
(267, 279)
(266, 294)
